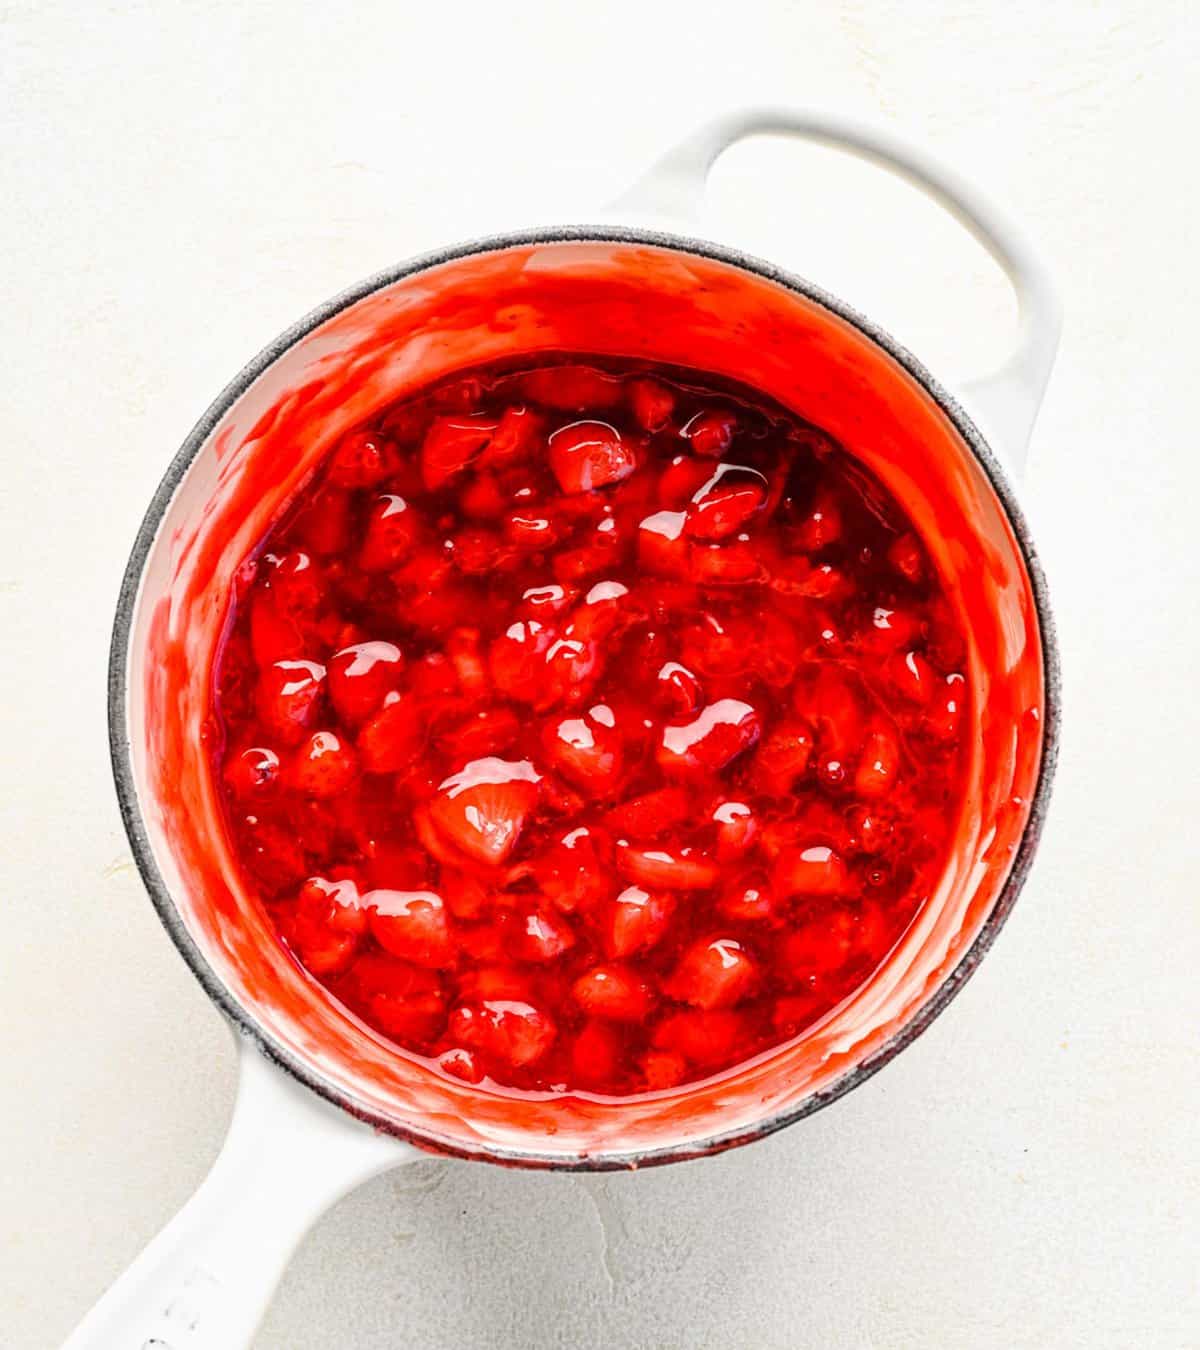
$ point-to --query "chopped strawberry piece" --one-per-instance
(725, 501)
(879, 764)
(361, 676)
(289, 698)
(511, 1031)
(324, 766)
(558, 799)
(532, 530)
(722, 644)
(704, 1038)
(406, 1002)
(596, 1054)
(433, 678)
(713, 973)
(670, 869)
(813, 870)
(483, 499)
(573, 872)
(820, 947)
(412, 925)
(521, 431)
(451, 444)
(665, 602)
(649, 645)
(601, 612)
(541, 935)
(812, 821)
(911, 676)
(578, 564)
(663, 1069)
(573, 664)
(539, 601)
(613, 992)
(275, 636)
(397, 867)
(945, 645)
(870, 828)
(683, 477)
(490, 731)
(392, 739)
(747, 900)
(391, 533)
(483, 808)
(782, 758)
(793, 1012)
(328, 922)
(323, 525)
(908, 557)
(710, 433)
(798, 578)
(876, 933)
(477, 552)
(589, 455)
(273, 856)
(405, 423)
(414, 1019)
(362, 459)
(428, 569)
(463, 647)
(677, 690)
(889, 630)
(517, 661)
(636, 921)
(821, 527)
(295, 582)
(651, 403)
(732, 562)
(662, 546)
(458, 395)
(460, 1063)
(722, 731)
(737, 829)
(586, 750)
(652, 815)
(252, 772)
(830, 702)
(466, 896)
(494, 979)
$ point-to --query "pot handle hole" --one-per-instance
(1006, 402)
(206, 1280)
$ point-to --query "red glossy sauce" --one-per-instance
(591, 728)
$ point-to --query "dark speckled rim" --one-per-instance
(123, 767)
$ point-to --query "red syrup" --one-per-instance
(589, 727)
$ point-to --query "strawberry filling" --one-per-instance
(590, 728)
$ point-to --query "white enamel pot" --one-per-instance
(324, 1103)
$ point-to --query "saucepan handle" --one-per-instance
(205, 1281)
(1005, 403)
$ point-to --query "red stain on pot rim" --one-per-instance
(637, 297)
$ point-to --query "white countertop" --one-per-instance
(179, 184)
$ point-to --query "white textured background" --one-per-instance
(179, 182)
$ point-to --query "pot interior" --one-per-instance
(623, 297)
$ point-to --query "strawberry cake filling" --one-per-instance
(588, 727)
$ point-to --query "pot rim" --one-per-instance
(118, 675)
